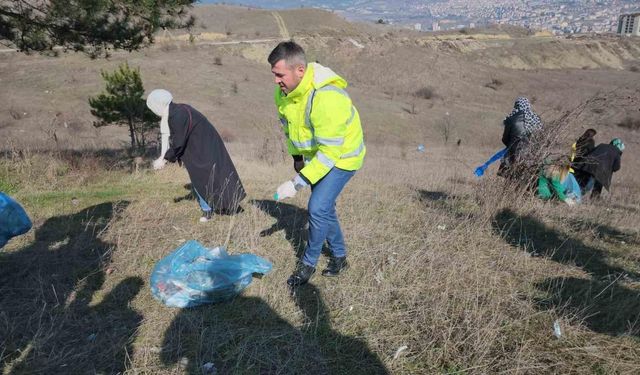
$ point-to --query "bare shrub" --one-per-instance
(234, 87)
(217, 61)
(494, 84)
(17, 113)
(446, 128)
(412, 108)
(547, 144)
(634, 68)
(426, 92)
(630, 123)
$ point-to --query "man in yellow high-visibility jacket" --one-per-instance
(324, 136)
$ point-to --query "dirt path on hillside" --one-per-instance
(281, 25)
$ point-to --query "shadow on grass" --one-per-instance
(433, 196)
(604, 307)
(45, 291)
(604, 232)
(459, 207)
(533, 236)
(247, 336)
(188, 197)
(289, 218)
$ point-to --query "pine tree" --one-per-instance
(91, 26)
(122, 103)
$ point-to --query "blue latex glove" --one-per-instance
(479, 172)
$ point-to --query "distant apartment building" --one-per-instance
(629, 24)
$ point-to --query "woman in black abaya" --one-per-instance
(188, 137)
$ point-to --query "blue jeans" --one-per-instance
(204, 206)
(323, 219)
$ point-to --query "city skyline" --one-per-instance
(559, 17)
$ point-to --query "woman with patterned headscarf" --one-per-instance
(188, 137)
(521, 123)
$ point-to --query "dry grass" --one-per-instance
(441, 264)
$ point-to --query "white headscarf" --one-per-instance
(158, 102)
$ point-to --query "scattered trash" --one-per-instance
(399, 351)
(209, 368)
(557, 331)
(442, 227)
(355, 43)
(109, 271)
(350, 308)
(74, 201)
(420, 148)
(184, 362)
(391, 260)
(13, 219)
(379, 277)
(155, 349)
(479, 172)
(193, 275)
(92, 337)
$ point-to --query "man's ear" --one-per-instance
(300, 69)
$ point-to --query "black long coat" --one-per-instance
(195, 142)
(601, 163)
(514, 137)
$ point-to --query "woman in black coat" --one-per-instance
(188, 137)
(596, 168)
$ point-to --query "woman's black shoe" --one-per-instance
(335, 266)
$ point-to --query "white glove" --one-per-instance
(159, 163)
(286, 190)
(570, 201)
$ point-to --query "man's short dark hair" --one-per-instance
(290, 51)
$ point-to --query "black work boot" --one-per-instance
(301, 275)
(335, 266)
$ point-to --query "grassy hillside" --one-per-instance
(469, 277)
(449, 274)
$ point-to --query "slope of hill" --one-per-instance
(473, 77)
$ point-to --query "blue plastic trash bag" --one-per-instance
(571, 188)
(194, 275)
(420, 148)
(497, 156)
(13, 219)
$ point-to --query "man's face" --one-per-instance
(287, 77)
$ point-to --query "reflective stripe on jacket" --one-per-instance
(321, 123)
